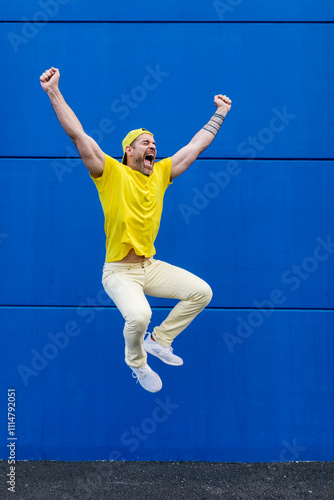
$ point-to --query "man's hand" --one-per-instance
(49, 79)
(222, 103)
(90, 152)
(187, 155)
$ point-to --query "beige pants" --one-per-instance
(127, 284)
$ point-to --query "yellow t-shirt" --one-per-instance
(132, 206)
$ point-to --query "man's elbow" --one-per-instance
(78, 136)
(196, 148)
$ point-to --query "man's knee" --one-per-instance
(140, 320)
(206, 293)
(203, 294)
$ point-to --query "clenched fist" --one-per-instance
(223, 103)
(49, 79)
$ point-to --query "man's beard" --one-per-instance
(140, 167)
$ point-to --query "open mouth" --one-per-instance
(149, 160)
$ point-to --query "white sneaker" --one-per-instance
(164, 353)
(147, 378)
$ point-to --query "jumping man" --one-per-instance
(131, 194)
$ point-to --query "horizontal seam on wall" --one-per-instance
(73, 21)
(100, 307)
(239, 158)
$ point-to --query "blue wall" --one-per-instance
(253, 216)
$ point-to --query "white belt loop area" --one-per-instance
(147, 262)
(112, 266)
(142, 264)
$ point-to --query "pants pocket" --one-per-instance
(108, 274)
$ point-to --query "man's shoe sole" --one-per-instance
(147, 349)
(149, 390)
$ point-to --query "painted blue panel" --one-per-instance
(248, 228)
(260, 232)
(244, 397)
(257, 227)
(199, 10)
(272, 73)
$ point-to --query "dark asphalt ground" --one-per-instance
(169, 480)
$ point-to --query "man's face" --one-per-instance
(142, 153)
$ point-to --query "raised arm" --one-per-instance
(90, 152)
(187, 155)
